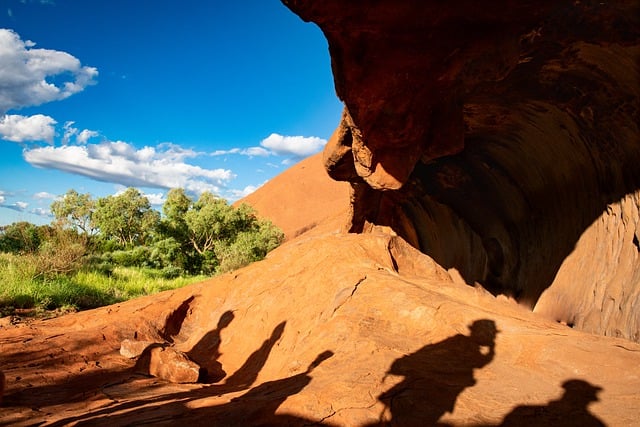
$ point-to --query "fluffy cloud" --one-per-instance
(81, 136)
(25, 69)
(42, 212)
(234, 195)
(295, 146)
(44, 195)
(17, 206)
(17, 128)
(118, 162)
(155, 199)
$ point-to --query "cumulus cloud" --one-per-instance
(42, 212)
(235, 194)
(85, 135)
(26, 72)
(44, 195)
(295, 146)
(16, 206)
(155, 199)
(81, 136)
(119, 162)
(17, 128)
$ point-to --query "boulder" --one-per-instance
(168, 364)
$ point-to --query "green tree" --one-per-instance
(74, 210)
(249, 245)
(126, 218)
(213, 235)
(208, 220)
(174, 209)
(22, 237)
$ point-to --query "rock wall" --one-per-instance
(500, 139)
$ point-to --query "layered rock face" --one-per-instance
(501, 139)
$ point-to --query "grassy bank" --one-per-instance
(20, 288)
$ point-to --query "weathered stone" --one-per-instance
(132, 348)
(169, 364)
(509, 132)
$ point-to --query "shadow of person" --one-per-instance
(207, 351)
(246, 375)
(570, 410)
(259, 405)
(436, 374)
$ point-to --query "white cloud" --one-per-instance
(44, 195)
(17, 128)
(235, 194)
(42, 212)
(225, 152)
(118, 162)
(295, 146)
(17, 206)
(25, 69)
(156, 199)
(85, 135)
(256, 151)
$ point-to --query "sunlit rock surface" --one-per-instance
(506, 137)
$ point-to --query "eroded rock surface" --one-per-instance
(337, 330)
(506, 135)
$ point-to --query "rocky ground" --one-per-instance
(332, 328)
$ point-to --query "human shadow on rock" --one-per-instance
(173, 403)
(207, 351)
(257, 407)
(572, 409)
(436, 374)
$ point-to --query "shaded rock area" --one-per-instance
(490, 153)
(501, 139)
(337, 329)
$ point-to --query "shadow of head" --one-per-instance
(225, 319)
(582, 391)
(484, 331)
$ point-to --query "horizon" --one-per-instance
(98, 97)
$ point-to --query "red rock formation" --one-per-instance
(538, 197)
(509, 131)
(337, 330)
(325, 201)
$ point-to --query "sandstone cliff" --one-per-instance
(500, 139)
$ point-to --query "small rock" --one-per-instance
(132, 349)
(168, 364)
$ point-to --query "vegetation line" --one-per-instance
(99, 252)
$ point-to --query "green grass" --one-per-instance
(82, 290)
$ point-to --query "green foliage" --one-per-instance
(22, 237)
(115, 248)
(81, 290)
(126, 218)
(212, 235)
(248, 246)
(75, 211)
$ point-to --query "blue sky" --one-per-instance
(100, 95)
